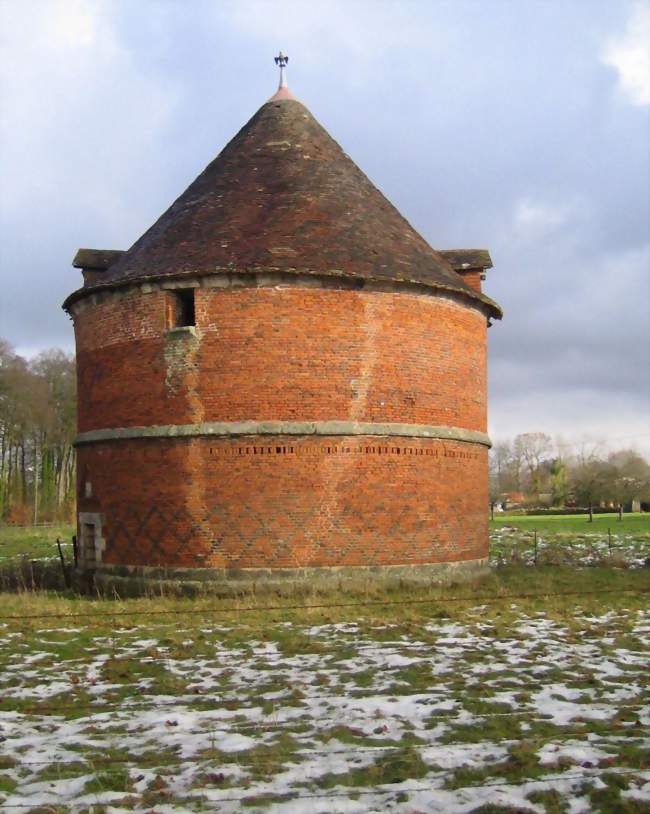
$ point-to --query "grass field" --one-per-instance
(571, 540)
(35, 542)
(638, 523)
(464, 698)
(455, 699)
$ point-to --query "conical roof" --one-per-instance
(283, 196)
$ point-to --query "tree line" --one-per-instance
(534, 470)
(38, 404)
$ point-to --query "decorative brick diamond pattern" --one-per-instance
(318, 508)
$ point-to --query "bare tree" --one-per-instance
(534, 448)
(627, 478)
(590, 484)
(37, 421)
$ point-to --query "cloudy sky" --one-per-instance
(521, 126)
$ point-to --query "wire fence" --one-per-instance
(535, 547)
(304, 750)
(109, 764)
(208, 611)
(199, 702)
(622, 730)
(271, 796)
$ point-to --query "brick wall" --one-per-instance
(285, 502)
(292, 353)
(472, 277)
(287, 354)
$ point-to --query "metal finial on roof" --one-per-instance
(281, 62)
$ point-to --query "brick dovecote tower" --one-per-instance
(280, 377)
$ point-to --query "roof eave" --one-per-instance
(492, 308)
(96, 259)
(464, 259)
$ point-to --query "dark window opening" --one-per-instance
(181, 308)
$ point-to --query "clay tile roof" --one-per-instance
(467, 258)
(283, 196)
(96, 259)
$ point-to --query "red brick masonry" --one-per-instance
(288, 502)
(292, 354)
(283, 353)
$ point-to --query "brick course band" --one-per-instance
(229, 429)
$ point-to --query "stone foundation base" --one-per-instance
(126, 580)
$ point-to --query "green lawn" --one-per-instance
(34, 542)
(638, 523)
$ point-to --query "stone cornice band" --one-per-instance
(230, 429)
(223, 278)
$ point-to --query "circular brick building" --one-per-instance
(280, 377)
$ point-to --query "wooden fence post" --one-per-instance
(63, 567)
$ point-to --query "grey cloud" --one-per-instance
(460, 112)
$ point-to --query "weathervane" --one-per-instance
(281, 62)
